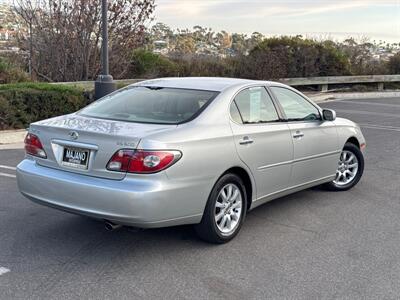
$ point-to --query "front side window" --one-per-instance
(295, 107)
(151, 105)
(256, 106)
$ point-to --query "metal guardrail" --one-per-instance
(322, 82)
(89, 84)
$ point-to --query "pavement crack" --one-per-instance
(287, 225)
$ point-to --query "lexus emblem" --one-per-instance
(73, 135)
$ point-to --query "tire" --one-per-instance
(340, 183)
(223, 208)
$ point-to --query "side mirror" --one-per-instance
(329, 114)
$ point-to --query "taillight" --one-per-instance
(120, 161)
(142, 161)
(33, 146)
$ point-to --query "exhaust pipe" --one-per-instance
(111, 226)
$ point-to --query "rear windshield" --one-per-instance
(151, 105)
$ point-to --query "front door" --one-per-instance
(263, 141)
(315, 141)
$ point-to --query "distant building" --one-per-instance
(7, 35)
(8, 29)
(160, 47)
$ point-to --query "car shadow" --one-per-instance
(64, 237)
(81, 228)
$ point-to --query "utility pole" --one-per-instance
(104, 83)
(30, 50)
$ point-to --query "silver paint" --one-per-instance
(278, 161)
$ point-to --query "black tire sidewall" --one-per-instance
(208, 229)
(360, 157)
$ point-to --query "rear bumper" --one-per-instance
(143, 202)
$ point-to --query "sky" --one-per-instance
(337, 19)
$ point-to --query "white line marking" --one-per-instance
(371, 103)
(3, 271)
(7, 167)
(363, 112)
(8, 175)
(381, 127)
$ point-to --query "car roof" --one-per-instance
(200, 83)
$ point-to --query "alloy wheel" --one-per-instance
(228, 209)
(347, 168)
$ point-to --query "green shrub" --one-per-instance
(22, 104)
(8, 117)
(10, 73)
(146, 64)
(289, 57)
(205, 65)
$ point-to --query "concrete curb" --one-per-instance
(12, 136)
(321, 97)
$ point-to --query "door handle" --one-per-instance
(246, 140)
(298, 134)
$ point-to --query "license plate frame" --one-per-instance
(76, 158)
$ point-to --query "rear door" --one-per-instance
(315, 141)
(262, 141)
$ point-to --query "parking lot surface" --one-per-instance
(310, 245)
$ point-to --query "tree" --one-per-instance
(293, 57)
(394, 64)
(10, 73)
(255, 39)
(161, 31)
(367, 58)
(146, 64)
(184, 43)
(239, 44)
(65, 35)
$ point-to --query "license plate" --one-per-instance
(75, 158)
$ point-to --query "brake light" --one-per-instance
(33, 146)
(120, 161)
(142, 161)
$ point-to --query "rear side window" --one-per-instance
(235, 115)
(151, 105)
(256, 106)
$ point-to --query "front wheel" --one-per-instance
(225, 210)
(350, 169)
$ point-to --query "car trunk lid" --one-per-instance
(85, 145)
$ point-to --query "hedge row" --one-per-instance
(24, 103)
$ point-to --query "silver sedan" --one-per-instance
(177, 151)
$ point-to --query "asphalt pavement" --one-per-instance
(310, 245)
